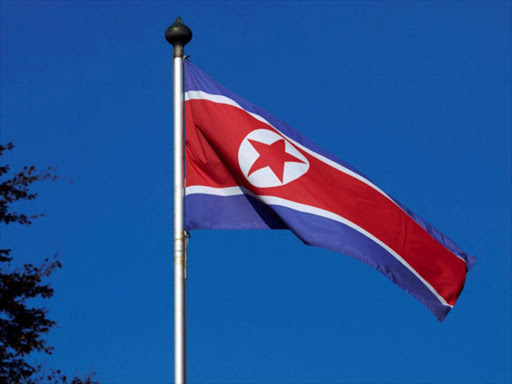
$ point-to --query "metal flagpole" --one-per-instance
(178, 34)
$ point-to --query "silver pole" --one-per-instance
(178, 34)
(179, 255)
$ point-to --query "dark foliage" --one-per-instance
(22, 326)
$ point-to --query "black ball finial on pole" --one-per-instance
(178, 34)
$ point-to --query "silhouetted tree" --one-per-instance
(23, 327)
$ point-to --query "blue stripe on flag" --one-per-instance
(245, 212)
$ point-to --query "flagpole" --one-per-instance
(178, 34)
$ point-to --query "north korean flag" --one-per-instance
(246, 169)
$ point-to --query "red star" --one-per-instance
(273, 156)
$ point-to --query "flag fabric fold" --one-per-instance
(246, 169)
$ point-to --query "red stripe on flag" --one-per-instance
(214, 134)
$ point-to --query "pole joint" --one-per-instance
(187, 236)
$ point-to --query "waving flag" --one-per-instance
(246, 169)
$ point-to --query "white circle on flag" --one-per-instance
(285, 163)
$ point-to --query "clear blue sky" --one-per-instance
(417, 95)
